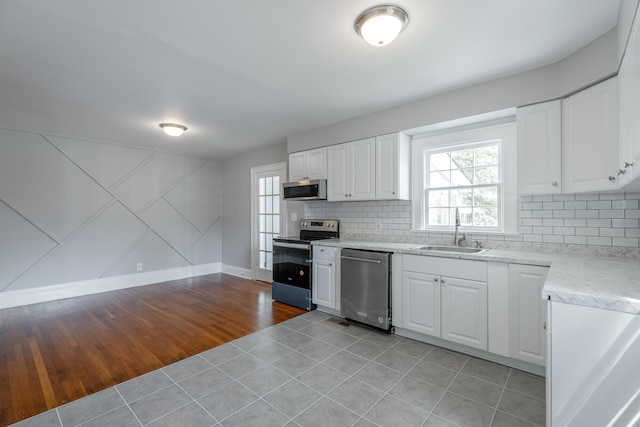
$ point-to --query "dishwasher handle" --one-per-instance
(374, 261)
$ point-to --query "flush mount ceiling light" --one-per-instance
(173, 129)
(380, 25)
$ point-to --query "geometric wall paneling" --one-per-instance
(154, 254)
(106, 163)
(44, 186)
(197, 197)
(89, 253)
(165, 220)
(207, 248)
(153, 178)
(21, 245)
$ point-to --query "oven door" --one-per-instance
(292, 264)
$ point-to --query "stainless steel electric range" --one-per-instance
(292, 258)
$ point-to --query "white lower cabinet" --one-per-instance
(421, 308)
(527, 313)
(464, 311)
(446, 298)
(325, 278)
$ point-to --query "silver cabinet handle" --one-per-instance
(627, 164)
(442, 281)
(612, 178)
(435, 279)
(621, 172)
(554, 183)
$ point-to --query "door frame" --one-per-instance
(275, 168)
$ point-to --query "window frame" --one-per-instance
(461, 138)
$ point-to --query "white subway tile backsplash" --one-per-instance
(575, 240)
(552, 239)
(612, 232)
(586, 214)
(587, 231)
(599, 241)
(548, 198)
(574, 219)
(575, 205)
(566, 213)
(553, 222)
(613, 213)
(599, 223)
(569, 222)
(533, 206)
(564, 197)
(587, 197)
(564, 231)
(599, 204)
(624, 204)
(624, 223)
(625, 241)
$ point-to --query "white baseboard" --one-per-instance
(236, 271)
(87, 287)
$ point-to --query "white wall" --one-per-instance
(236, 207)
(73, 210)
(590, 64)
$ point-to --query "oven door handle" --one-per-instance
(291, 245)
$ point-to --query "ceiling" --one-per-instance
(243, 74)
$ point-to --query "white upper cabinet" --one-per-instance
(311, 164)
(629, 108)
(351, 171)
(392, 167)
(540, 148)
(590, 139)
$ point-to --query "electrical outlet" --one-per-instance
(139, 266)
(294, 216)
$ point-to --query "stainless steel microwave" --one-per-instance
(315, 189)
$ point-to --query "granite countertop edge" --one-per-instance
(607, 282)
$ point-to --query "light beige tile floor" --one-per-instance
(315, 370)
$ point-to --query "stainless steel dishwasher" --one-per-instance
(364, 285)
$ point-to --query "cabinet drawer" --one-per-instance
(441, 266)
(325, 252)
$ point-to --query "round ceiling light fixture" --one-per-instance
(173, 129)
(380, 25)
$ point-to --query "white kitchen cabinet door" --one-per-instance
(310, 164)
(539, 139)
(464, 312)
(317, 163)
(590, 139)
(323, 292)
(628, 110)
(362, 163)
(528, 313)
(421, 303)
(392, 167)
(338, 172)
(297, 167)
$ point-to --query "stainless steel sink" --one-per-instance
(444, 248)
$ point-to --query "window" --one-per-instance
(472, 170)
(269, 218)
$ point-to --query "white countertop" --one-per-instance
(609, 282)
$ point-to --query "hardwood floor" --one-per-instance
(56, 352)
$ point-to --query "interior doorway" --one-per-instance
(266, 216)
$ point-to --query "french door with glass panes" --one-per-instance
(266, 186)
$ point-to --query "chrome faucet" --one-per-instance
(457, 240)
